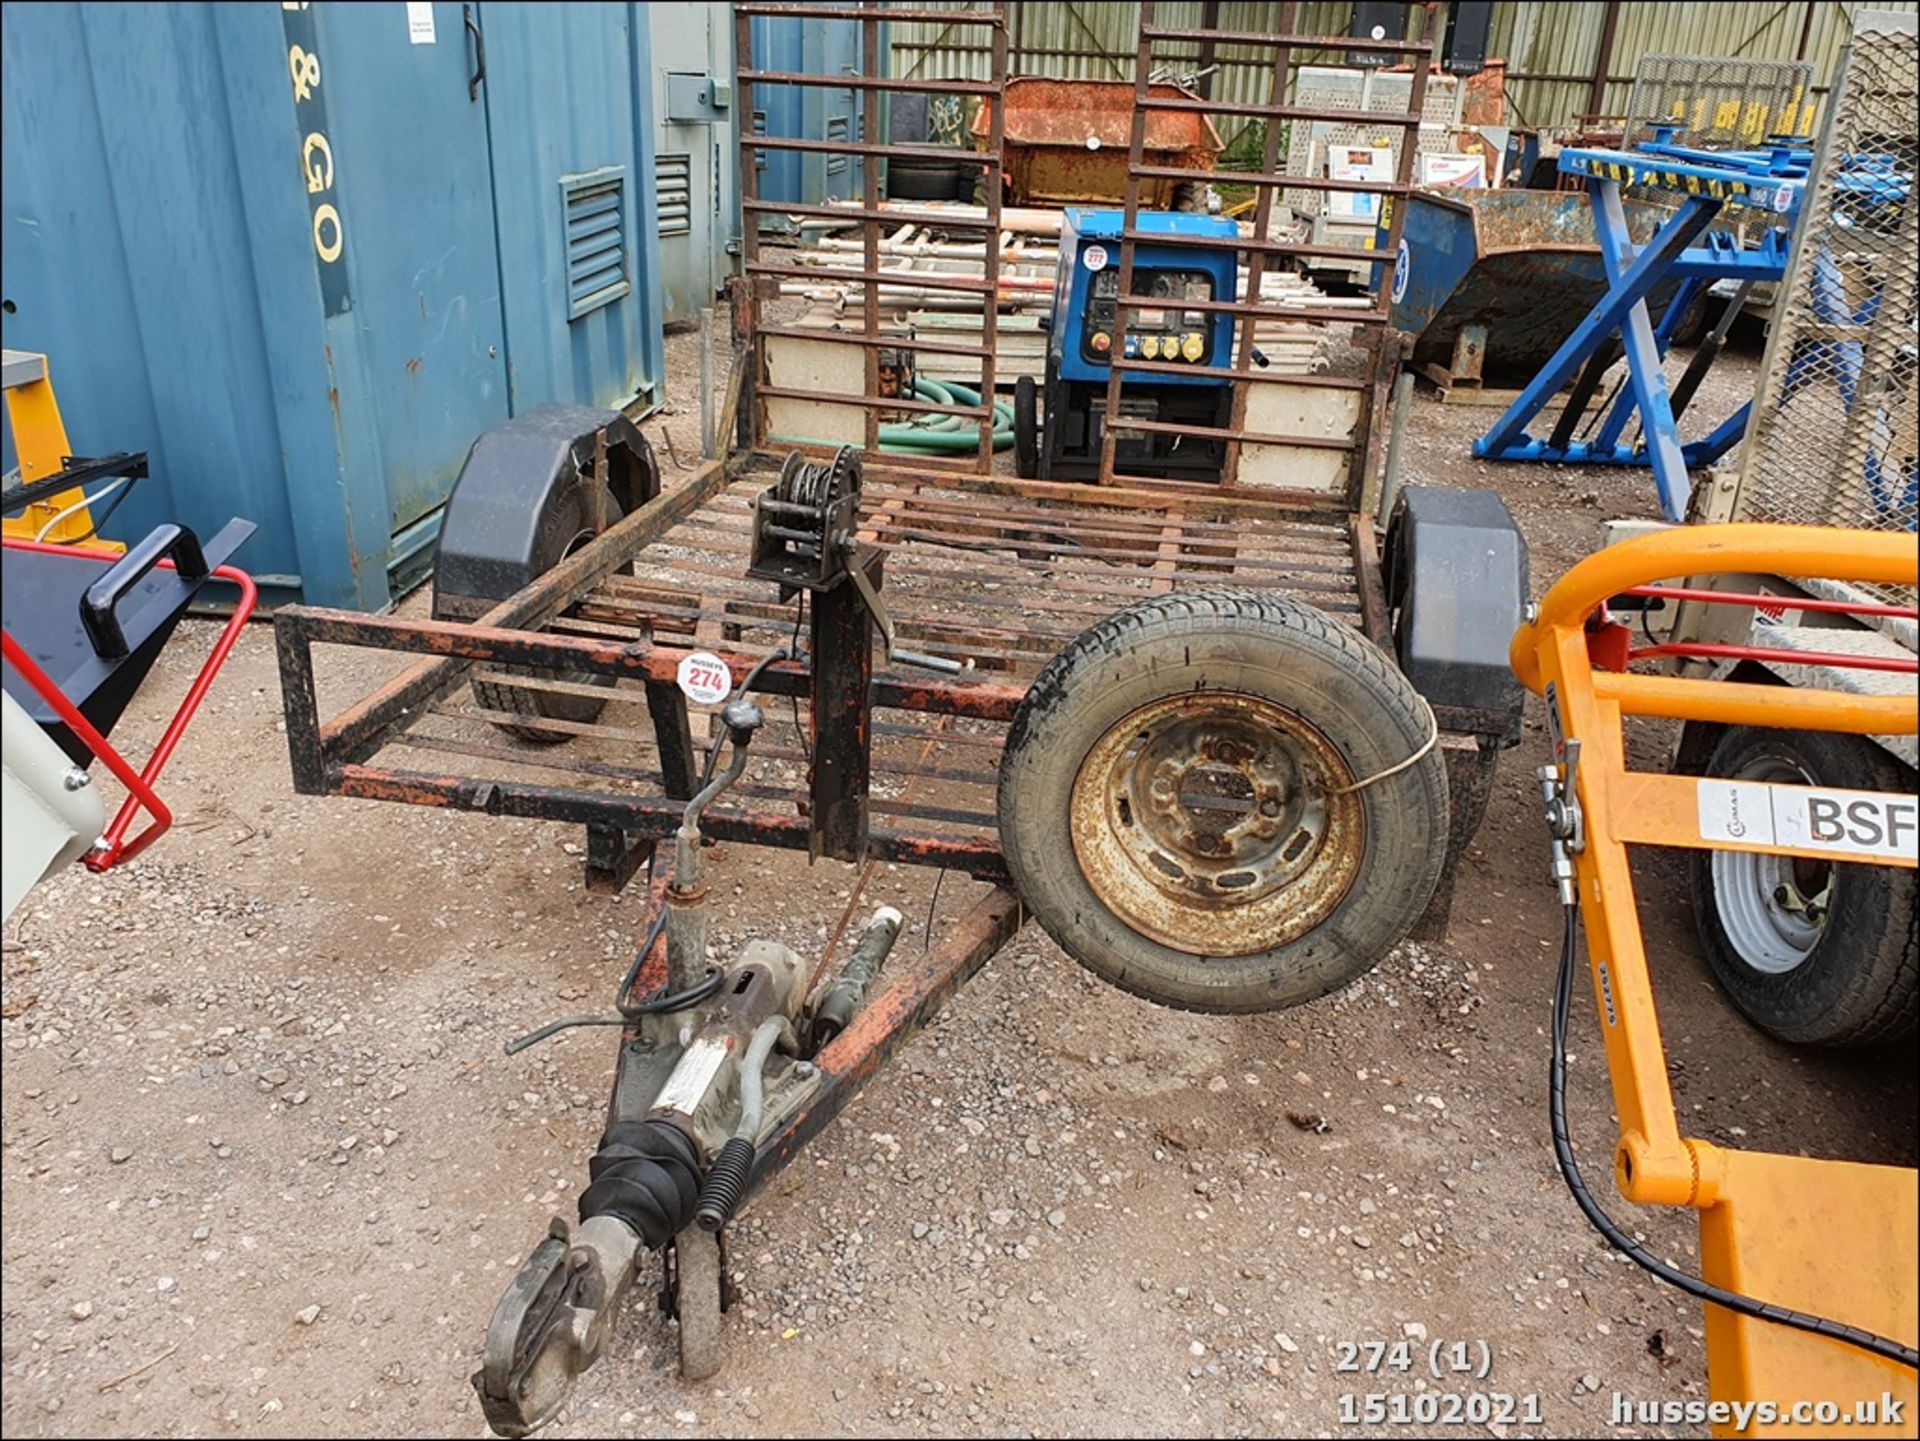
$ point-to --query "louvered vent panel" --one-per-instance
(595, 217)
(673, 193)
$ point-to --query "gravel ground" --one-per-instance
(266, 1170)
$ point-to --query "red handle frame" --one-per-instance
(1622, 649)
(113, 847)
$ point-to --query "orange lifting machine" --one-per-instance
(1809, 1265)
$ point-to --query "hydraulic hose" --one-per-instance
(727, 1182)
(934, 434)
(1882, 1346)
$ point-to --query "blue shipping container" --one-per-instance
(304, 254)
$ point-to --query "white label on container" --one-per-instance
(420, 22)
(1094, 257)
(704, 678)
(1865, 824)
(693, 1075)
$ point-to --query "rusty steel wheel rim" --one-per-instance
(1212, 823)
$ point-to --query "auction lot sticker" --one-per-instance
(704, 678)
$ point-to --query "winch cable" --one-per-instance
(1694, 1286)
(819, 970)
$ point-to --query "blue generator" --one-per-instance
(1058, 434)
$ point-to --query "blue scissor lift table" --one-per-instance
(1769, 182)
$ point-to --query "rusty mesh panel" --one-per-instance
(1718, 103)
(1834, 439)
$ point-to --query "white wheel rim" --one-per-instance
(1761, 900)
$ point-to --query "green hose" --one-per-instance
(945, 434)
(933, 434)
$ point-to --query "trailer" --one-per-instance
(1222, 741)
(1811, 952)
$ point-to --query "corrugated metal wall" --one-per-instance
(1550, 48)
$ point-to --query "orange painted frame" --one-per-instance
(1831, 1237)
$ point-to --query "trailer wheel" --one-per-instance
(567, 523)
(1175, 802)
(1026, 427)
(1813, 952)
(697, 1283)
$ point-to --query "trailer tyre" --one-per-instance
(1026, 427)
(567, 523)
(698, 1294)
(1175, 806)
(1813, 952)
(924, 179)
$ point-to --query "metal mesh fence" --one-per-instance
(1835, 440)
(1364, 92)
(1720, 104)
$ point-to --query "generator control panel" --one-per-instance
(1161, 326)
(1167, 321)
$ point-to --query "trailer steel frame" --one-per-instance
(950, 545)
(991, 570)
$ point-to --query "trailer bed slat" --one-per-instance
(995, 573)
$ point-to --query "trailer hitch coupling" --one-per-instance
(552, 1322)
(705, 1074)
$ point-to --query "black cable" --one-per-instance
(661, 1000)
(926, 941)
(105, 515)
(747, 682)
(634, 1012)
(1881, 1346)
(793, 649)
(693, 995)
(699, 991)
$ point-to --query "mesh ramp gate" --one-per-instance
(874, 333)
(1288, 50)
(1834, 438)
